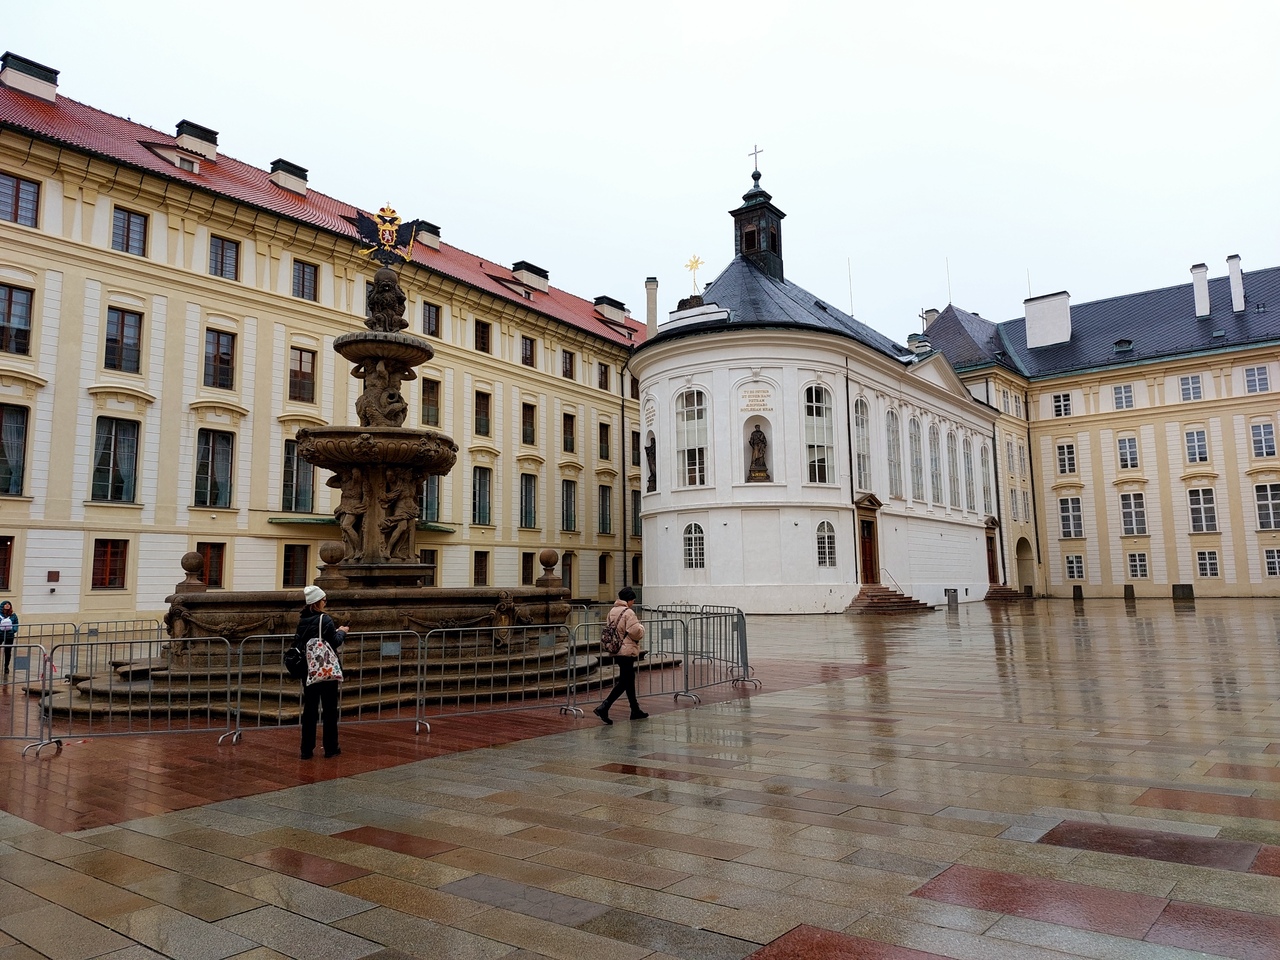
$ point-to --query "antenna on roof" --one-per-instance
(1028, 281)
(849, 261)
(948, 279)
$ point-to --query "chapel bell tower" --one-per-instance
(757, 229)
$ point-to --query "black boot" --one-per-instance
(603, 713)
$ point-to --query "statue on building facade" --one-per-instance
(759, 470)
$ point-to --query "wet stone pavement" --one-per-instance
(1035, 781)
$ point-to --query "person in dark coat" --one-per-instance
(8, 632)
(632, 631)
(319, 697)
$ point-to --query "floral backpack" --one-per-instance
(322, 662)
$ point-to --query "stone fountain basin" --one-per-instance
(337, 447)
(372, 346)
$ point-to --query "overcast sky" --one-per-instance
(922, 151)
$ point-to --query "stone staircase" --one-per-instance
(874, 598)
(999, 593)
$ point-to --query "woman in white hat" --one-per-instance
(319, 693)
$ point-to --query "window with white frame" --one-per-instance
(1271, 557)
(1197, 446)
(826, 544)
(1204, 510)
(215, 461)
(528, 500)
(1122, 396)
(986, 479)
(19, 200)
(13, 448)
(1066, 458)
(819, 434)
(1268, 499)
(862, 442)
(1013, 503)
(1071, 518)
(430, 507)
(1127, 448)
(1133, 514)
(691, 438)
(1062, 404)
(115, 460)
(481, 495)
(605, 518)
(953, 471)
(1137, 566)
(1075, 566)
(568, 504)
(298, 483)
(935, 463)
(914, 444)
(1004, 401)
(970, 500)
(1207, 563)
(15, 319)
(1256, 380)
(695, 557)
(1190, 388)
(893, 449)
(1022, 459)
(1013, 463)
(1264, 439)
(1017, 406)
(1026, 504)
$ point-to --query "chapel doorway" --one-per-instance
(866, 511)
(1026, 566)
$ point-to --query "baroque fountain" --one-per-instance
(228, 644)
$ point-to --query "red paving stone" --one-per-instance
(1239, 771)
(813, 943)
(1256, 808)
(1227, 933)
(405, 843)
(1154, 845)
(1076, 905)
(1268, 862)
(305, 866)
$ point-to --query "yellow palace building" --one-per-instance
(166, 321)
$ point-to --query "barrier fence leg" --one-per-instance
(684, 663)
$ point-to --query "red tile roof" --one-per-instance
(86, 128)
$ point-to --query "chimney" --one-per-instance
(288, 175)
(531, 276)
(930, 315)
(428, 235)
(615, 311)
(196, 139)
(1200, 287)
(1237, 283)
(19, 73)
(651, 305)
(1048, 319)
(918, 344)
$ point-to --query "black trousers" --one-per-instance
(7, 643)
(322, 699)
(626, 683)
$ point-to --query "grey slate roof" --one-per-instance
(756, 300)
(1159, 323)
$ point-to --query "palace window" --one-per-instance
(115, 460)
(1071, 518)
(110, 561)
(212, 556)
(215, 452)
(637, 526)
(480, 569)
(6, 562)
(1066, 458)
(526, 568)
(528, 423)
(431, 319)
(826, 544)
(568, 505)
(819, 435)
(298, 483)
(482, 423)
(129, 232)
(606, 443)
(691, 438)
(1133, 514)
(224, 258)
(302, 375)
(482, 335)
(568, 429)
(635, 448)
(893, 447)
(1270, 557)
(1268, 499)
(430, 402)
(304, 280)
(916, 454)
(935, 463)
(1190, 387)
(219, 359)
(970, 501)
(1207, 563)
(1256, 380)
(602, 376)
(862, 442)
(528, 500)
(13, 448)
(15, 319)
(606, 509)
(481, 496)
(1128, 451)
(1022, 458)
(528, 351)
(1062, 404)
(1122, 396)
(19, 200)
(567, 364)
(1264, 439)
(297, 565)
(695, 557)
(1008, 449)
(1137, 566)
(430, 511)
(1197, 447)
(1013, 503)
(1075, 566)
(953, 472)
(1204, 512)
(123, 341)
(985, 460)
(429, 559)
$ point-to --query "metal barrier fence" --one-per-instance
(21, 714)
(48, 634)
(101, 635)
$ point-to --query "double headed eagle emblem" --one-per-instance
(387, 239)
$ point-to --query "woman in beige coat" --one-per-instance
(632, 633)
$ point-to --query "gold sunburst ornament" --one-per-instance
(692, 266)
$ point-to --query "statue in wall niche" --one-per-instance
(386, 303)
(759, 470)
(651, 455)
(381, 404)
(350, 510)
(400, 513)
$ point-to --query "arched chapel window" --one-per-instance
(862, 442)
(695, 557)
(985, 461)
(893, 444)
(935, 463)
(953, 469)
(970, 501)
(917, 459)
(691, 438)
(819, 434)
(826, 544)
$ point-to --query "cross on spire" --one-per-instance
(755, 155)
